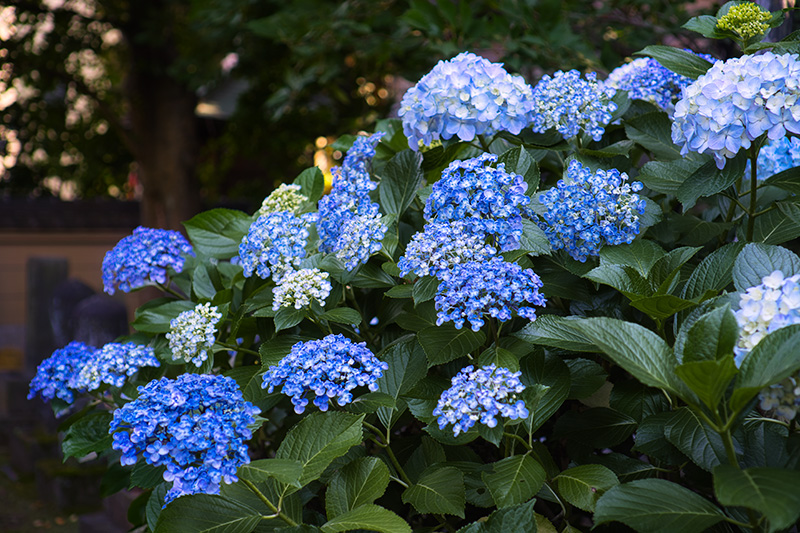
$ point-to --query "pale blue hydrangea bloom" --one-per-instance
(464, 97)
(144, 258)
(487, 200)
(736, 102)
(299, 289)
(361, 236)
(195, 425)
(441, 245)
(777, 156)
(275, 244)
(763, 309)
(192, 334)
(481, 395)
(589, 209)
(113, 363)
(325, 369)
(571, 104)
(496, 288)
(56, 376)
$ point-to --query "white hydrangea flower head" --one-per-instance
(300, 288)
(192, 334)
(284, 198)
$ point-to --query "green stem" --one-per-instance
(751, 220)
(169, 290)
(519, 439)
(277, 512)
(484, 144)
(397, 466)
(236, 348)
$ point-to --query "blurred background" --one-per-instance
(115, 113)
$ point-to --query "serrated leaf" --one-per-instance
(623, 278)
(218, 232)
(287, 471)
(667, 177)
(407, 365)
(425, 288)
(370, 402)
(318, 439)
(361, 482)
(206, 513)
(440, 490)
(583, 485)
(757, 261)
(154, 505)
(288, 317)
(708, 379)
(788, 180)
(705, 25)
(585, 377)
(558, 332)
(599, 427)
(714, 273)
(654, 132)
(400, 291)
(342, 315)
(370, 517)
(637, 400)
(514, 480)
(88, 434)
(709, 180)
(552, 375)
(146, 476)
(371, 276)
(640, 255)
(650, 439)
(312, 184)
(695, 439)
(520, 161)
(677, 60)
(711, 337)
(770, 491)
(662, 306)
(657, 506)
(157, 319)
(534, 240)
(514, 519)
(400, 179)
(445, 343)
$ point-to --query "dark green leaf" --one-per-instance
(583, 485)
(312, 184)
(146, 476)
(154, 505)
(706, 25)
(662, 306)
(440, 490)
(654, 132)
(445, 343)
(370, 517)
(370, 276)
(677, 60)
(287, 471)
(218, 232)
(370, 402)
(400, 291)
(288, 317)
(667, 176)
(640, 254)
(552, 376)
(361, 482)
(88, 434)
(695, 439)
(206, 513)
(514, 519)
(407, 365)
(558, 332)
(714, 273)
(514, 480)
(623, 278)
(709, 180)
(520, 161)
(711, 337)
(788, 180)
(770, 491)
(773, 227)
(342, 315)
(157, 319)
(534, 240)
(425, 289)
(757, 261)
(637, 400)
(400, 180)
(599, 427)
(651, 440)
(585, 377)
(708, 379)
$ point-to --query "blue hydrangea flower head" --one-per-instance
(497, 288)
(481, 395)
(589, 209)
(772, 305)
(488, 200)
(274, 245)
(144, 258)
(736, 102)
(195, 425)
(777, 156)
(361, 236)
(571, 104)
(325, 369)
(441, 245)
(464, 97)
(192, 334)
(299, 289)
(56, 376)
(113, 363)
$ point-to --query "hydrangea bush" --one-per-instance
(515, 309)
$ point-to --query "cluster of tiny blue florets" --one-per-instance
(736, 102)
(488, 200)
(441, 245)
(777, 156)
(113, 363)
(192, 334)
(195, 425)
(56, 376)
(465, 96)
(497, 288)
(328, 368)
(569, 103)
(143, 258)
(590, 209)
(274, 244)
(480, 395)
(349, 223)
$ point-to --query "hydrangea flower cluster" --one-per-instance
(193, 332)
(275, 245)
(195, 425)
(143, 258)
(763, 309)
(349, 222)
(113, 363)
(746, 19)
(569, 103)
(777, 156)
(736, 102)
(56, 376)
(441, 245)
(465, 96)
(590, 209)
(284, 198)
(488, 200)
(328, 368)
(497, 288)
(480, 395)
(300, 288)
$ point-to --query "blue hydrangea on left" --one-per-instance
(144, 258)
(195, 425)
(56, 376)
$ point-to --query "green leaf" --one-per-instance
(370, 402)
(695, 439)
(206, 513)
(788, 180)
(156, 319)
(599, 427)
(370, 517)
(445, 343)
(514, 480)
(585, 377)
(288, 317)
(583, 485)
(709, 180)
(640, 255)
(202, 286)
(774, 227)
(359, 483)
(662, 306)
(499, 357)
(650, 439)
(400, 180)
(714, 273)
(708, 379)
(287, 471)
(400, 291)
(757, 261)
(667, 177)
(520, 161)
(533, 240)
(318, 439)
(656, 506)
(706, 25)
(88, 434)
(146, 476)
(770, 491)
(623, 278)
(218, 232)
(552, 376)
(407, 366)
(678, 61)
(440, 490)
(371, 276)
(425, 289)
(514, 519)
(636, 400)
(342, 315)
(312, 184)
(712, 336)
(558, 332)
(154, 504)
(654, 132)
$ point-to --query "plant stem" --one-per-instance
(519, 439)
(169, 290)
(277, 512)
(397, 466)
(751, 219)
(484, 144)
(237, 348)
